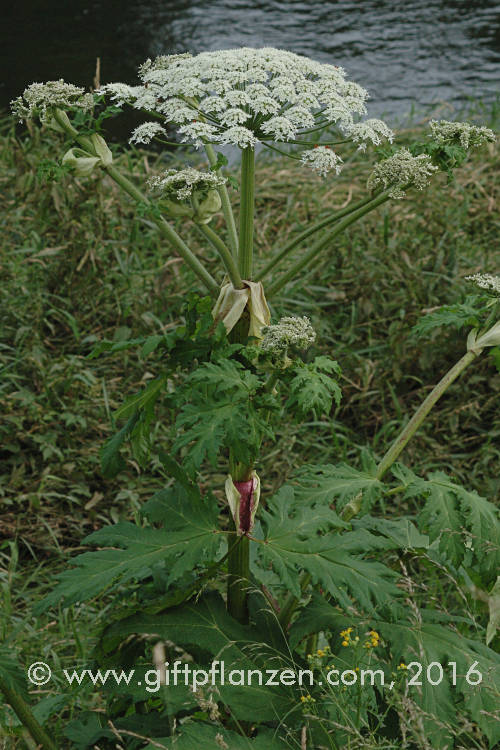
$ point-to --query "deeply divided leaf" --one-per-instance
(187, 540)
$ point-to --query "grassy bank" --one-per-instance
(78, 265)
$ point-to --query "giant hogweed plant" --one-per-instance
(224, 571)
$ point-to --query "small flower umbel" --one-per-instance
(322, 159)
(182, 183)
(468, 136)
(289, 333)
(189, 192)
(40, 99)
(400, 171)
(146, 132)
(486, 281)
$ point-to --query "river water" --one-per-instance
(409, 55)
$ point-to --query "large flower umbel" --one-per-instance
(242, 96)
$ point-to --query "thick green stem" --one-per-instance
(238, 566)
(308, 257)
(238, 561)
(165, 228)
(26, 717)
(226, 205)
(307, 233)
(247, 193)
(225, 254)
(407, 433)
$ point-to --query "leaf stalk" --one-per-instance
(407, 433)
(186, 254)
(226, 204)
(309, 256)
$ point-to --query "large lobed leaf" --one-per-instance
(465, 524)
(313, 387)
(188, 538)
(219, 411)
(468, 313)
(328, 483)
(294, 541)
(199, 735)
(11, 674)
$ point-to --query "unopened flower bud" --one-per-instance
(177, 209)
(81, 162)
(232, 302)
(490, 338)
(243, 498)
(101, 148)
(207, 207)
(53, 124)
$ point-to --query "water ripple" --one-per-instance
(404, 52)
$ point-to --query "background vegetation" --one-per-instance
(78, 264)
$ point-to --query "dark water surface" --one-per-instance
(406, 54)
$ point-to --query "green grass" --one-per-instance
(77, 264)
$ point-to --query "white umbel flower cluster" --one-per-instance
(146, 132)
(39, 99)
(469, 136)
(122, 93)
(243, 96)
(370, 130)
(290, 331)
(402, 170)
(322, 159)
(486, 281)
(182, 183)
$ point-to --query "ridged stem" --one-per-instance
(238, 562)
(331, 219)
(225, 254)
(238, 566)
(407, 433)
(226, 205)
(308, 257)
(186, 254)
(247, 200)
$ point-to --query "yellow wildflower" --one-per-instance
(307, 699)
